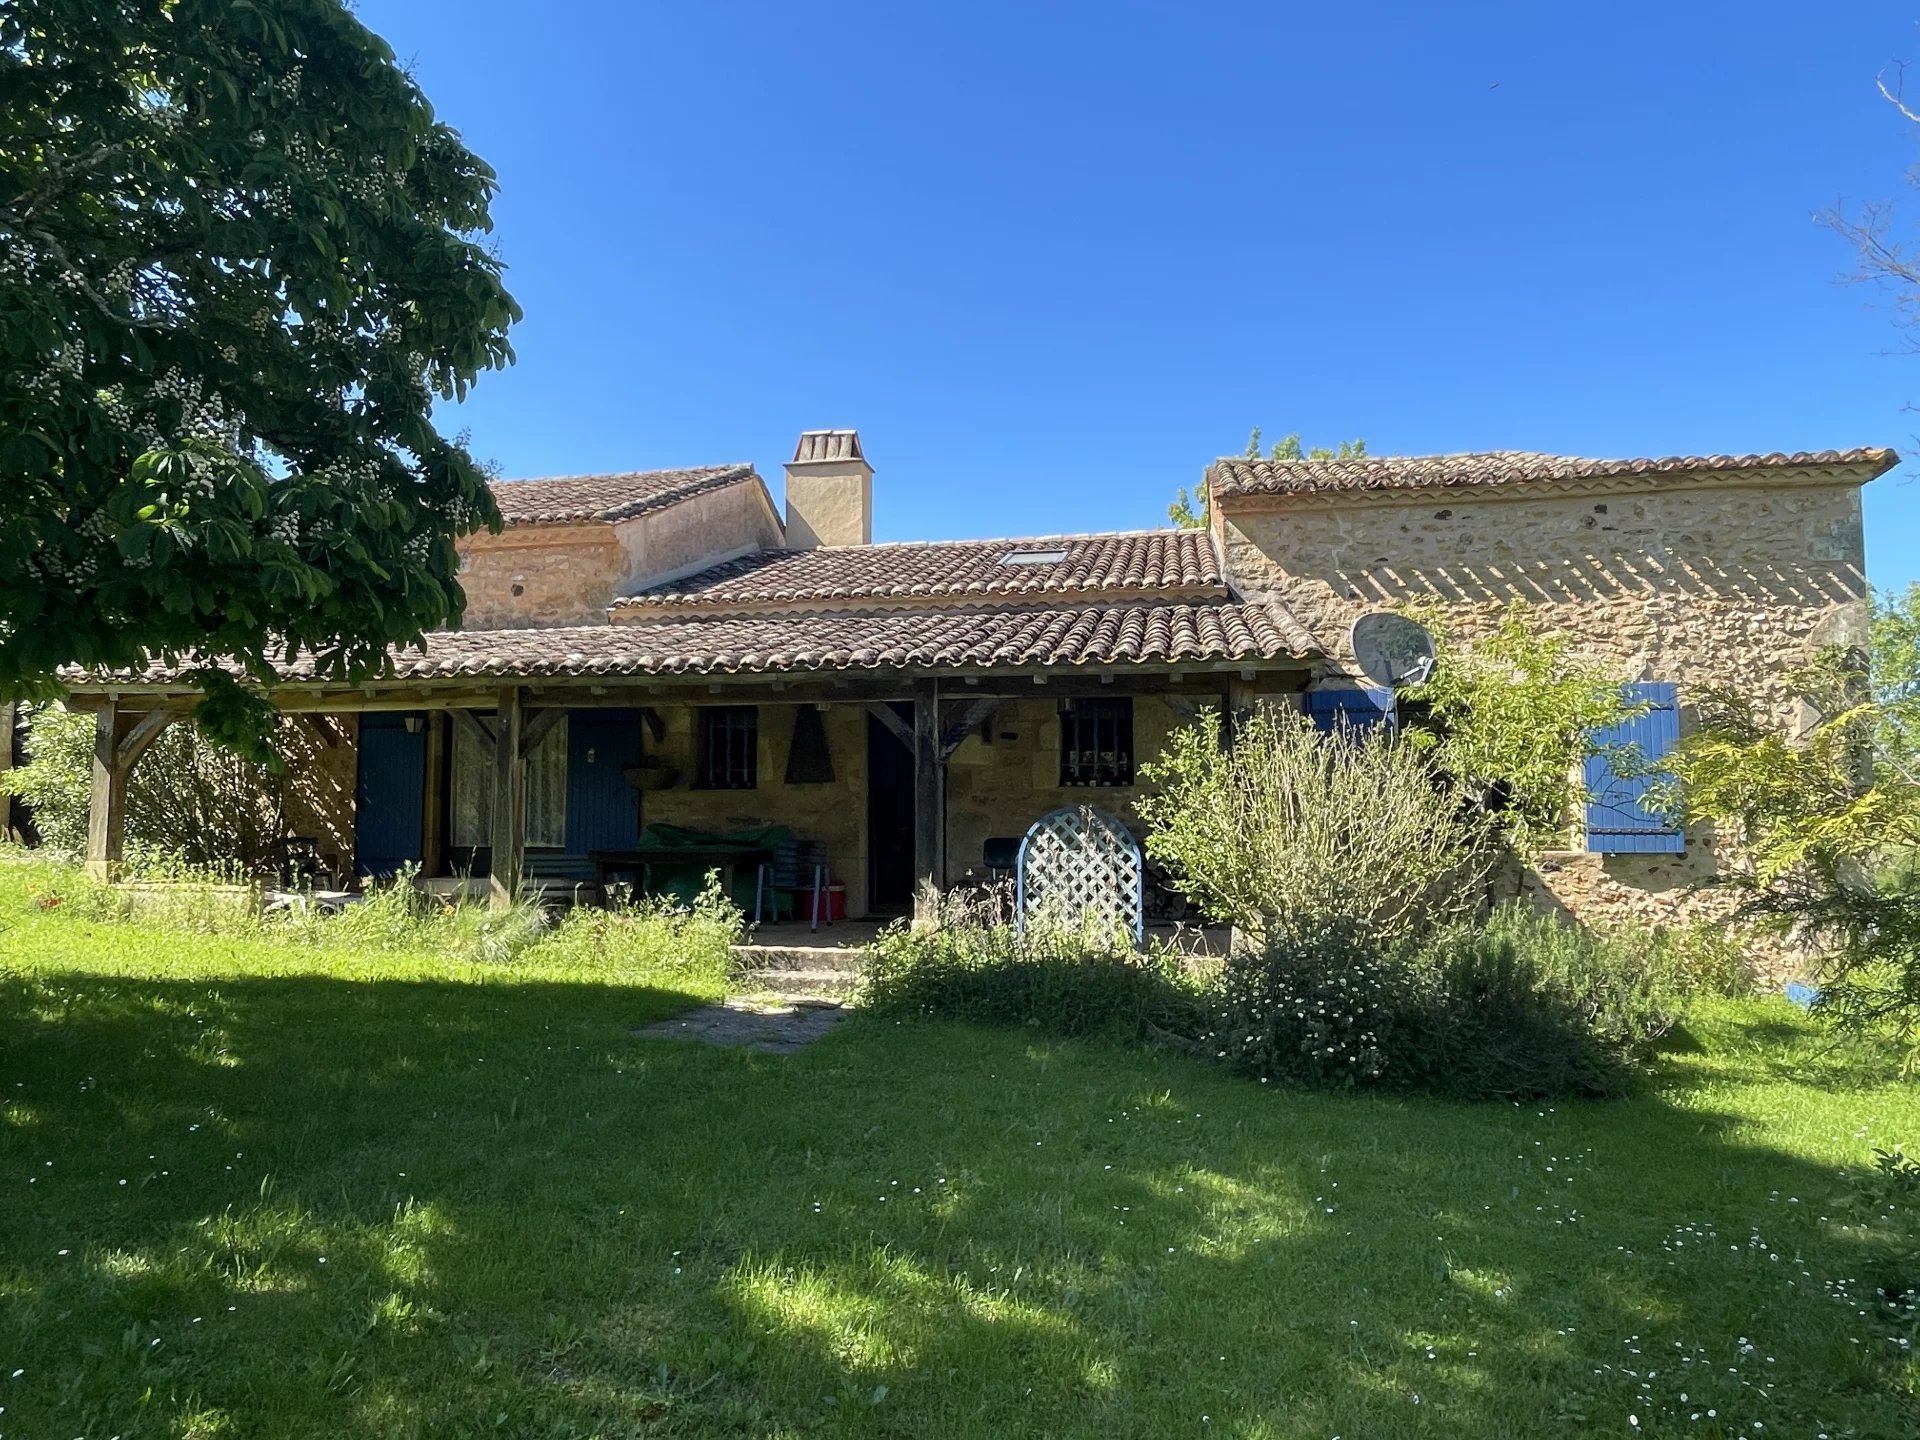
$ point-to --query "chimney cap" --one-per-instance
(827, 445)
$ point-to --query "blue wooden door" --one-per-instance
(603, 810)
(390, 799)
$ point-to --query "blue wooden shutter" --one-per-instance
(1359, 707)
(1618, 820)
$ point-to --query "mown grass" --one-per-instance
(253, 1188)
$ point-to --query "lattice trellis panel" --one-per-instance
(1080, 864)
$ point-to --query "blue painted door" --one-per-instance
(390, 799)
(603, 810)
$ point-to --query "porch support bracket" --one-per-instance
(895, 726)
(970, 718)
(120, 738)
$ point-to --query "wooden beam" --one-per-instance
(539, 723)
(120, 738)
(143, 734)
(8, 716)
(890, 718)
(970, 718)
(474, 726)
(929, 794)
(656, 727)
(509, 801)
(107, 803)
(329, 729)
(433, 833)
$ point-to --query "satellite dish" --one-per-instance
(1391, 649)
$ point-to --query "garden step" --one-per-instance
(783, 980)
(799, 957)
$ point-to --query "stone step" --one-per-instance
(797, 982)
(798, 957)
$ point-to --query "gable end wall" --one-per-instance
(1703, 585)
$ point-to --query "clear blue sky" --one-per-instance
(1051, 258)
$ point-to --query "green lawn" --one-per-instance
(256, 1189)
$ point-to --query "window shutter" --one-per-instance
(1618, 821)
(1359, 707)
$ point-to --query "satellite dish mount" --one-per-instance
(1391, 650)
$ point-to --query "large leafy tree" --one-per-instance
(239, 259)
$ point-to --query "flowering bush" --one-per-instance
(1320, 1010)
(1519, 1006)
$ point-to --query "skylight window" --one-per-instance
(1033, 557)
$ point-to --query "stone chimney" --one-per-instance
(829, 491)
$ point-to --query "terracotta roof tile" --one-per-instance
(1141, 562)
(929, 638)
(1232, 477)
(578, 499)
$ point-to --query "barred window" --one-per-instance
(729, 748)
(1096, 742)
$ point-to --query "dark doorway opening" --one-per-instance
(889, 815)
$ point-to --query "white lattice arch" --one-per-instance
(1080, 862)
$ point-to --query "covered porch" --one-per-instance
(870, 782)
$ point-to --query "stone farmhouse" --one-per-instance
(671, 648)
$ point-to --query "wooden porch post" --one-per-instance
(433, 840)
(509, 800)
(107, 805)
(119, 740)
(9, 714)
(929, 794)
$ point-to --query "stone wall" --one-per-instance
(695, 532)
(999, 789)
(1700, 584)
(548, 575)
(540, 575)
(830, 815)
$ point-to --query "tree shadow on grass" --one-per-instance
(437, 1208)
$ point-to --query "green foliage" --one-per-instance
(1284, 833)
(1894, 674)
(190, 800)
(1828, 820)
(1511, 716)
(688, 944)
(1193, 511)
(968, 963)
(1520, 1007)
(239, 259)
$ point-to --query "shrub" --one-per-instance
(1512, 714)
(1065, 982)
(1522, 1006)
(1320, 1010)
(1529, 1004)
(1288, 834)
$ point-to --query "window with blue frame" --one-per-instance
(1622, 818)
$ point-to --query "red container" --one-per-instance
(833, 904)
